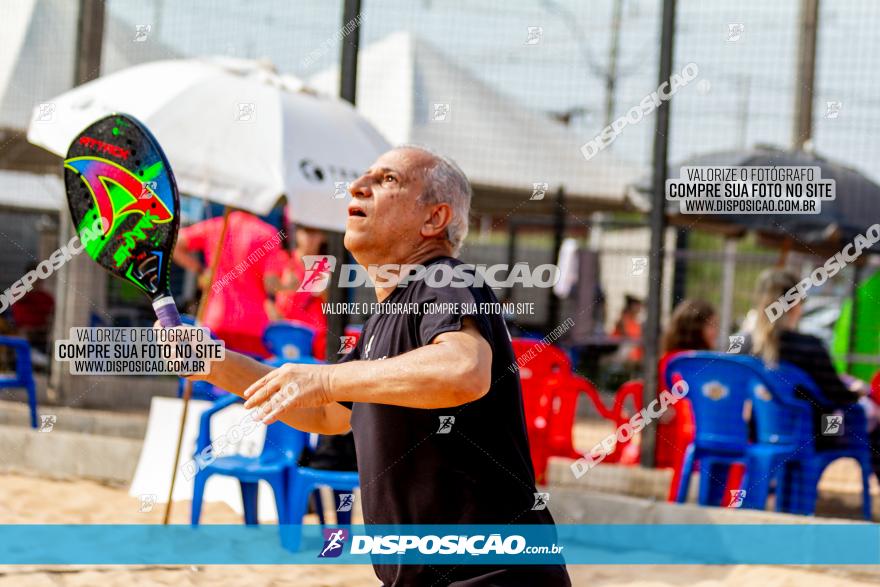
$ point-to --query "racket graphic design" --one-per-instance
(125, 207)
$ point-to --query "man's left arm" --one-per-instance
(454, 369)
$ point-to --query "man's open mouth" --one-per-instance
(355, 211)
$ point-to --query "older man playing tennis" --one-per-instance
(410, 372)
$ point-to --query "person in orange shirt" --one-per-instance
(629, 326)
(284, 302)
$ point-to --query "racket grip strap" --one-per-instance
(166, 311)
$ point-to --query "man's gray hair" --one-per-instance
(446, 183)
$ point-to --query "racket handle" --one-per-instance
(166, 311)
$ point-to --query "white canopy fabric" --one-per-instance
(235, 132)
(37, 48)
(496, 141)
(31, 191)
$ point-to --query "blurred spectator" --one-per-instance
(235, 311)
(779, 341)
(283, 280)
(629, 326)
(693, 326)
(32, 314)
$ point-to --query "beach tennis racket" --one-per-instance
(125, 207)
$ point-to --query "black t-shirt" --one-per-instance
(417, 466)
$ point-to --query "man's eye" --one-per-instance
(389, 178)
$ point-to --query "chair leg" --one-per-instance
(687, 468)
(342, 518)
(866, 487)
(198, 493)
(298, 499)
(279, 487)
(756, 482)
(249, 499)
(32, 403)
(318, 505)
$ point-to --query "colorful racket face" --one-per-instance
(124, 204)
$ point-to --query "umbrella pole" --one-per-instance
(187, 386)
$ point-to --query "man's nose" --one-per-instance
(360, 188)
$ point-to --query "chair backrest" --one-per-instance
(780, 416)
(283, 443)
(539, 360)
(289, 340)
(719, 385)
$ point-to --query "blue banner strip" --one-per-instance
(808, 544)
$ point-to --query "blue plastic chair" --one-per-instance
(282, 447)
(718, 387)
(288, 341)
(24, 373)
(302, 481)
(783, 418)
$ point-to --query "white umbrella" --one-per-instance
(235, 131)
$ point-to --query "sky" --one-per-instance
(743, 96)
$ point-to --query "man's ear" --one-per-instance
(440, 217)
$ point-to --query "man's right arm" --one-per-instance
(237, 372)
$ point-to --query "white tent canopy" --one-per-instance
(235, 131)
(37, 61)
(497, 142)
(31, 191)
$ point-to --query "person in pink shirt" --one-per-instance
(284, 279)
(235, 311)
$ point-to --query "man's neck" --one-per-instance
(416, 257)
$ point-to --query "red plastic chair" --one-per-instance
(550, 394)
(675, 429)
(875, 387)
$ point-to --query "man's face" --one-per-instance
(384, 220)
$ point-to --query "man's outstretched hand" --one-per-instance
(289, 386)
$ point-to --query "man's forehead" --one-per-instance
(402, 160)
